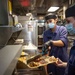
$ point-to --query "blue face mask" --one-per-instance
(51, 25)
(70, 29)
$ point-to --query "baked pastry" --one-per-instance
(33, 64)
(52, 59)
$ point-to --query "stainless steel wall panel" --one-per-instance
(3, 12)
(5, 34)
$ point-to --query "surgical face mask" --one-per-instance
(70, 29)
(51, 25)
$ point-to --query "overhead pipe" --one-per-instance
(41, 3)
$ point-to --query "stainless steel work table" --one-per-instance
(8, 58)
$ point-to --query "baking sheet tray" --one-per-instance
(39, 60)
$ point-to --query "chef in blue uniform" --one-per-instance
(58, 45)
(70, 18)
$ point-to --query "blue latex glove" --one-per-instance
(45, 49)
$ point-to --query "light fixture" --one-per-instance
(53, 9)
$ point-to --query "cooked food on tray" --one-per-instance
(33, 64)
(37, 60)
(52, 59)
(42, 61)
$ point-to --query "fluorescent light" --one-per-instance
(53, 9)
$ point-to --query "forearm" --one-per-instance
(58, 43)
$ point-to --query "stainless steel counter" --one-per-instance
(8, 58)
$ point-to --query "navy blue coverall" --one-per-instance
(70, 70)
(59, 52)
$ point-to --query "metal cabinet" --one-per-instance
(41, 29)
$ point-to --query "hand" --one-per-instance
(49, 43)
(60, 63)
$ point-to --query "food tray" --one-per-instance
(41, 61)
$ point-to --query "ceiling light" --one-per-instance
(53, 9)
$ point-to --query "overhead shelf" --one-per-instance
(15, 29)
(6, 33)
